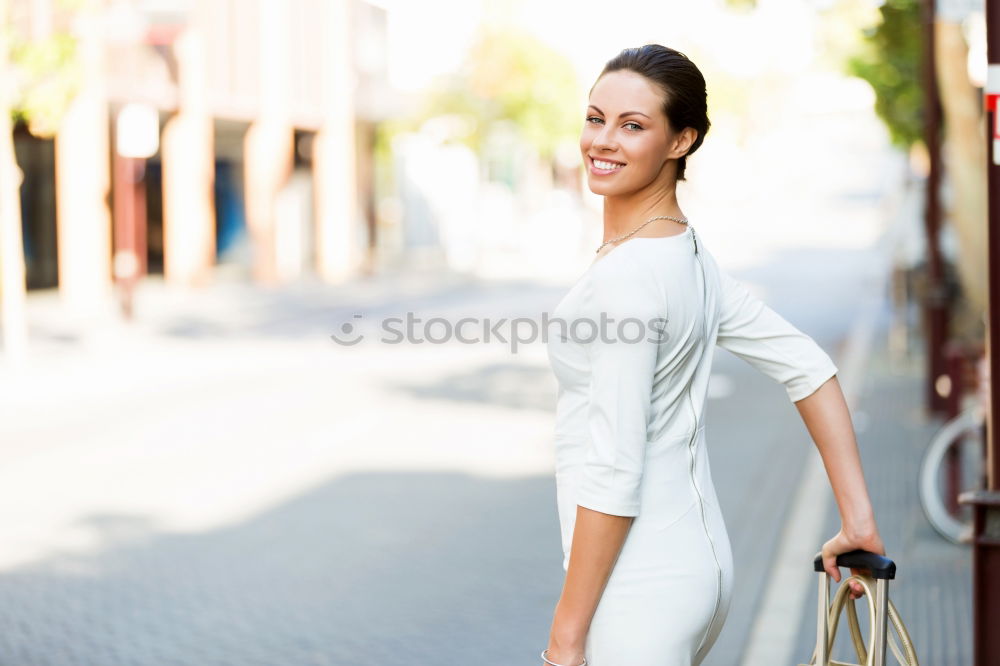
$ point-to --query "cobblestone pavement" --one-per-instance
(224, 485)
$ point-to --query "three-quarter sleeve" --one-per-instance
(756, 333)
(623, 362)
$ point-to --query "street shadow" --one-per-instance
(368, 568)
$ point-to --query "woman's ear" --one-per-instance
(685, 139)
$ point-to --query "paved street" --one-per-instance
(259, 495)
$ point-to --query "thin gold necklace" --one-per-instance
(624, 236)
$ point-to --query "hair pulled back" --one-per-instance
(685, 96)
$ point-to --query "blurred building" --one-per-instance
(205, 136)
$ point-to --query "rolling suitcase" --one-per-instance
(881, 611)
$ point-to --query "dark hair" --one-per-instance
(684, 92)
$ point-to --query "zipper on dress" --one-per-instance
(704, 524)
(694, 481)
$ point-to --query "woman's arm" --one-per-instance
(619, 407)
(597, 540)
(828, 420)
(759, 335)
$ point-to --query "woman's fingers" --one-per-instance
(856, 590)
(840, 543)
(830, 564)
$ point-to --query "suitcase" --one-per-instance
(881, 612)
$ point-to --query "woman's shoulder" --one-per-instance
(628, 282)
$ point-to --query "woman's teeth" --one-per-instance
(607, 166)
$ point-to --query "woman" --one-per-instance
(649, 570)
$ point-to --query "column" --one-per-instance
(83, 220)
(339, 238)
(188, 154)
(270, 141)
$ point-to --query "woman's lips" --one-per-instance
(597, 171)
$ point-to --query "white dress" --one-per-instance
(630, 439)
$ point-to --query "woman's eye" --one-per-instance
(631, 125)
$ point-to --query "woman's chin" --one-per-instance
(603, 189)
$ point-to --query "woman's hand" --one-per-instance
(845, 542)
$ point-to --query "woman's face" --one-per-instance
(627, 143)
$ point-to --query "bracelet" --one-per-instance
(546, 659)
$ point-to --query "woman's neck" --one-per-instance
(622, 215)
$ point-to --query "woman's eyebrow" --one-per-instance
(620, 115)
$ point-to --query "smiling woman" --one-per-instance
(649, 570)
(667, 91)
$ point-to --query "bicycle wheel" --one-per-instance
(965, 431)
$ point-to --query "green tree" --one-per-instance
(44, 71)
(513, 76)
(890, 60)
(508, 76)
(888, 57)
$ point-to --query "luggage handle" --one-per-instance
(880, 565)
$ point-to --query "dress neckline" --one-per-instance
(684, 234)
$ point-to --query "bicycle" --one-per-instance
(954, 463)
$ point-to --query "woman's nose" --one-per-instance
(604, 140)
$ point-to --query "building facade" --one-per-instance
(209, 137)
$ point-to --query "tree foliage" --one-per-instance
(890, 61)
(46, 78)
(513, 76)
(44, 75)
(508, 78)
